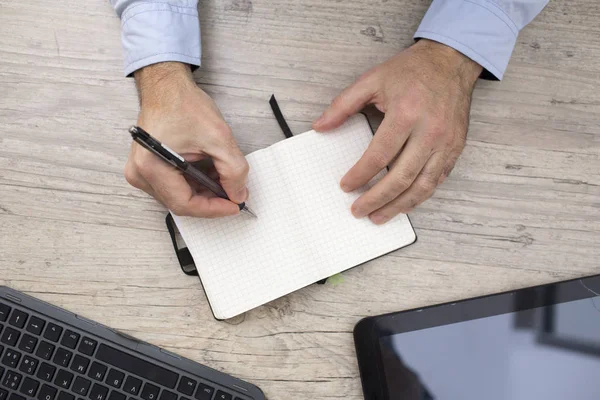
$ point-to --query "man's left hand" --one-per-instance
(425, 93)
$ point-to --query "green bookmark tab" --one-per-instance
(336, 279)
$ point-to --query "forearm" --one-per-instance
(153, 32)
(484, 30)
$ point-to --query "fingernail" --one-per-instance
(345, 187)
(358, 212)
(378, 219)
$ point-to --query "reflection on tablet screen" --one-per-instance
(550, 353)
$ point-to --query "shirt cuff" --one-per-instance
(157, 32)
(477, 28)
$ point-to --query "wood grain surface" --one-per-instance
(522, 207)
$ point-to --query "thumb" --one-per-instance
(349, 102)
(233, 169)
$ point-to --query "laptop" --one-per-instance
(47, 353)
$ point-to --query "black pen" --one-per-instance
(145, 140)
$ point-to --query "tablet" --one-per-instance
(536, 343)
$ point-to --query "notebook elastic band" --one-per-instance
(279, 117)
(186, 262)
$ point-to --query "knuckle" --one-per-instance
(437, 133)
(426, 186)
(241, 168)
(369, 203)
(222, 129)
(408, 111)
(339, 101)
(400, 187)
(402, 181)
(142, 164)
(130, 175)
(386, 138)
(378, 160)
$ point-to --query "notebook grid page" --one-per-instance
(304, 231)
(237, 257)
(338, 241)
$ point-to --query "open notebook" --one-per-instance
(304, 231)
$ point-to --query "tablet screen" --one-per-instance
(550, 353)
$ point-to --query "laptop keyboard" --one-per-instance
(42, 360)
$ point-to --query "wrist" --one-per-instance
(450, 60)
(160, 84)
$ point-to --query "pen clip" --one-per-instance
(156, 147)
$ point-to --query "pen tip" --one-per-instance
(249, 211)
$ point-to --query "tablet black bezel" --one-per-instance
(369, 331)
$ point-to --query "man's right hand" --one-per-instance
(178, 113)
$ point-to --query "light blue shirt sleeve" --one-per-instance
(484, 30)
(154, 31)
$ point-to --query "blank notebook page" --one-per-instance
(304, 231)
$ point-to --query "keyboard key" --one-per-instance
(28, 343)
(52, 332)
(80, 364)
(47, 392)
(35, 325)
(29, 387)
(45, 350)
(187, 385)
(88, 346)
(11, 358)
(114, 395)
(63, 379)
(222, 395)
(12, 380)
(137, 366)
(18, 318)
(132, 385)
(166, 395)
(150, 392)
(62, 357)
(98, 392)
(115, 378)
(10, 336)
(3, 393)
(70, 339)
(205, 392)
(97, 371)
(15, 396)
(65, 396)
(46, 372)
(81, 386)
(4, 311)
(28, 365)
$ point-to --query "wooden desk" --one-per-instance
(522, 207)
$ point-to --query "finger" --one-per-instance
(450, 163)
(135, 179)
(387, 142)
(173, 191)
(420, 190)
(398, 179)
(347, 103)
(233, 170)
